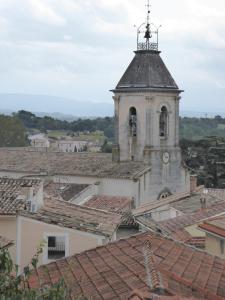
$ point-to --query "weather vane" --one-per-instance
(151, 36)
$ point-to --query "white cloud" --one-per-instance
(43, 12)
(90, 42)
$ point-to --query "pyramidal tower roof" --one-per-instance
(147, 70)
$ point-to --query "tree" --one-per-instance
(14, 287)
(12, 132)
(106, 147)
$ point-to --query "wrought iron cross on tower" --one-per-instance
(151, 34)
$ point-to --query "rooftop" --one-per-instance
(171, 200)
(77, 164)
(14, 193)
(175, 227)
(78, 217)
(63, 191)
(110, 203)
(185, 202)
(114, 271)
(193, 204)
(215, 226)
(146, 71)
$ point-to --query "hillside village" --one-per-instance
(132, 224)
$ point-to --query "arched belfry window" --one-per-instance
(163, 122)
(133, 121)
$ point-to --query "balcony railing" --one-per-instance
(147, 46)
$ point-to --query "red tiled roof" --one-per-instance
(185, 202)
(63, 191)
(99, 165)
(137, 295)
(110, 203)
(215, 225)
(156, 204)
(66, 214)
(115, 270)
(217, 193)
(198, 242)
(181, 222)
(14, 194)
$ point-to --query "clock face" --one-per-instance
(166, 157)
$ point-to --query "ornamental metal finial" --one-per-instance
(148, 33)
(151, 34)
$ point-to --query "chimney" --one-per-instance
(203, 199)
(193, 183)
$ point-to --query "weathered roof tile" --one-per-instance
(112, 272)
(78, 217)
(80, 164)
(14, 194)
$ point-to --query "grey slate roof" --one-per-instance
(146, 71)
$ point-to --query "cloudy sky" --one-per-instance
(79, 49)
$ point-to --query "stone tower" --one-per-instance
(147, 119)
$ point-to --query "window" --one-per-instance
(133, 121)
(163, 120)
(56, 247)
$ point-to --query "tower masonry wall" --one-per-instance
(148, 107)
(166, 176)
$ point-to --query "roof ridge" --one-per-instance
(82, 207)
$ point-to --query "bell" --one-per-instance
(148, 34)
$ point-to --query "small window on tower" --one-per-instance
(163, 121)
(133, 121)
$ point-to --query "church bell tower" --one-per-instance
(147, 115)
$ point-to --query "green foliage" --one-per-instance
(29, 120)
(206, 158)
(106, 147)
(190, 128)
(198, 128)
(12, 132)
(14, 287)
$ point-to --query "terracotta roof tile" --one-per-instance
(14, 194)
(78, 164)
(115, 270)
(63, 191)
(154, 205)
(110, 203)
(215, 225)
(78, 217)
(185, 203)
(176, 227)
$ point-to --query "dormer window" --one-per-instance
(133, 121)
(163, 122)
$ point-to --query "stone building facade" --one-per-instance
(147, 124)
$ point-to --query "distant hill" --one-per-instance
(197, 114)
(67, 109)
(53, 105)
